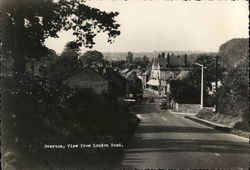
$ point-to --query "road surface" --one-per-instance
(164, 140)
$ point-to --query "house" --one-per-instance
(182, 75)
(124, 72)
(145, 78)
(118, 84)
(164, 69)
(135, 84)
(88, 79)
(139, 73)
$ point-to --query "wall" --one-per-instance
(187, 108)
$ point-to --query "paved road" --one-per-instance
(164, 140)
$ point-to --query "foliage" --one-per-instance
(118, 64)
(23, 101)
(188, 89)
(142, 62)
(183, 92)
(91, 57)
(73, 46)
(233, 95)
(60, 115)
(61, 68)
(6, 65)
(233, 51)
(27, 23)
(209, 63)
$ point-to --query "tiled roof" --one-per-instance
(153, 82)
(182, 75)
(115, 77)
(86, 79)
(125, 71)
(174, 60)
(147, 72)
(168, 75)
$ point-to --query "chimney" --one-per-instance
(163, 55)
(168, 59)
(185, 58)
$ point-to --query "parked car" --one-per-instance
(165, 102)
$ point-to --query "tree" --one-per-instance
(233, 94)
(27, 23)
(71, 50)
(64, 65)
(191, 85)
(142, 62)
(72, 45)
(209, 63)
(91, 56)
(233, 51)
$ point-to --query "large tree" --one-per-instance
(91, 56)
(210, 72)
(27, 23)
(71, 50)
(188, 89)
(63, 66)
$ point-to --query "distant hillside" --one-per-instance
(234, 50)
(122, 55)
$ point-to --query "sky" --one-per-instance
(159, 25)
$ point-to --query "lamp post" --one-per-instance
(202, 68)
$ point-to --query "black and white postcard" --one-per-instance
(124, 84)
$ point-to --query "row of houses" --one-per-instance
(102, 78)
(165, 69)
(105, 80)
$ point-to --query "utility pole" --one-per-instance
(202, 70)
(216, 83)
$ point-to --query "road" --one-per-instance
(165, 140)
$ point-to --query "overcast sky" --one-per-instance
(168, 25)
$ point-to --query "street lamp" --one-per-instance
(202, 68)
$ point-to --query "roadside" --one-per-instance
(217, 121)
(215, 125)
(163, 139)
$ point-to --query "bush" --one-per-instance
(23, 102)
(205, 113)
(182, 92)
(101, 116)
(243, 125)
(60, 69)
(34, 113)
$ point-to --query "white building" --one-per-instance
(164, 69)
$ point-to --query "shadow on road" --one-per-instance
(144, 109)
(187, 145)
(174, 129)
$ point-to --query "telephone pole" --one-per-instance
(216, 83)
(202, 75)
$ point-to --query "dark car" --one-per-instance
(165, 102)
